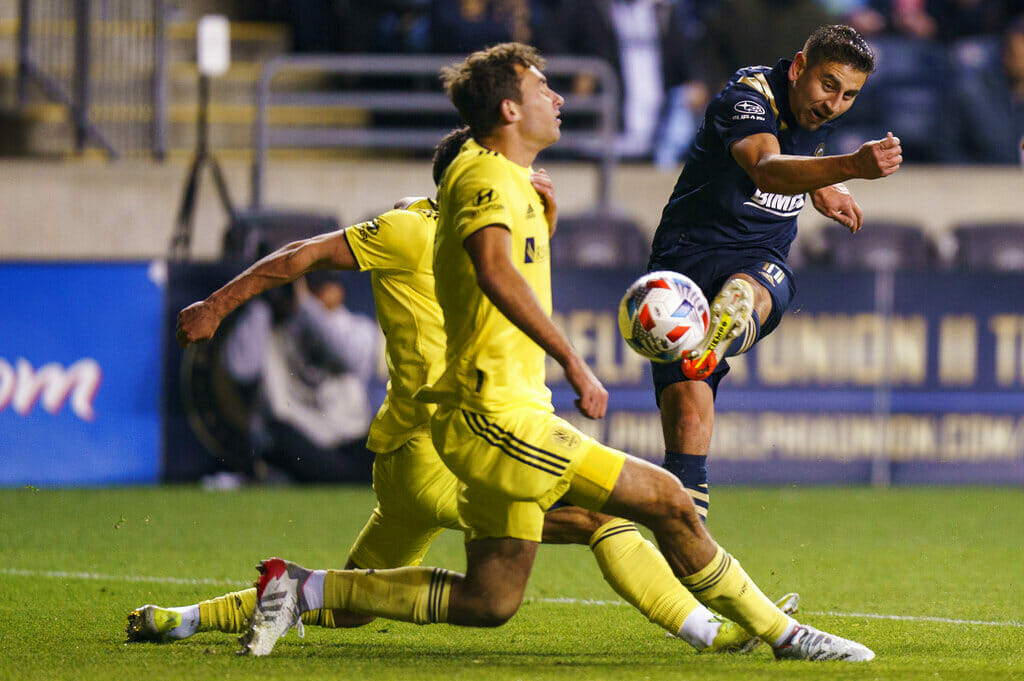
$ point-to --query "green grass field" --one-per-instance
(931, 579)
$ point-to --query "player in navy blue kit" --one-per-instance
(732, 217)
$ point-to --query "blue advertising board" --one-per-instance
(931, 393)
(79, 374)
(93, 389)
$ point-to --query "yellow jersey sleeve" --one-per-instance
(482, 196)
(395, 240)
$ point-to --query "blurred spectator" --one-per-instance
(310, 359)
(946, 20)
(460, 26)
(646, 42)
(988, 99)
(755, 32)
(860, 14)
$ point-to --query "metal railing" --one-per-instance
(104, 60)
(595, 144)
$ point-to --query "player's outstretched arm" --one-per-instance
(490, 250)
(772, 171)
(199, 321)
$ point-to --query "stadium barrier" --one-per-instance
(931, 393)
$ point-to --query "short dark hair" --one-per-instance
(479, 84)
(447, 149)
(840, 44)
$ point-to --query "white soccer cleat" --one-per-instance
(730, 314)
(279, 605)
(808, 643)
(151, 623)
(732, 638)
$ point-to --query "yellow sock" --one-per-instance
(639, 573)
(409, 594)
(722, 585)
(319, 618)
(228, 613)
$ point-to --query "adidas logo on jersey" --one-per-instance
(530, 212)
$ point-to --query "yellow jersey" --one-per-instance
(491, 365)
(397, 249)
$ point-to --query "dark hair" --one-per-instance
(839, 44)
(447, 149)
(478, 85)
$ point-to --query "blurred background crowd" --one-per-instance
(950, 77)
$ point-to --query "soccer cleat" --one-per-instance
(732, 638)
(807, 643)
(151, 623)
(730, 314)
(279, 605)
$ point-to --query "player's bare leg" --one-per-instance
(688, 407)
(492, 589)
(637, 572)
(654, 497)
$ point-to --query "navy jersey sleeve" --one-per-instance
(740, 112)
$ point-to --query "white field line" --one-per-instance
(56, 574)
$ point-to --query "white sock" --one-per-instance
(700, 628)
(189, 622)
(793, 624)
(313, 589)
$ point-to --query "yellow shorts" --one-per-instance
(416, 499)
(514, 465)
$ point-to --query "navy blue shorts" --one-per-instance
(710, 271)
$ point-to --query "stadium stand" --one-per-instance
(879, 246)
(990, 246)
(599, 240)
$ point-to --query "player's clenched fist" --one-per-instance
(196, 323)
(879, 158)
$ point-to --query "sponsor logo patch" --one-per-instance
(749, 107)
(483, 196)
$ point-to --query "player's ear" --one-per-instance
(509, 111)
(798, 66)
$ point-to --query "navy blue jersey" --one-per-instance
(715, 205)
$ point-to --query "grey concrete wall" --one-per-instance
(127, 210)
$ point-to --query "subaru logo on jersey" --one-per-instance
(531, 250)
(749, 107)
(483, 196)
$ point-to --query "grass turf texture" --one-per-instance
(941, 553)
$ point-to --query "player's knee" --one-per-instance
(572, 525)
(496, 611)
(673, 504)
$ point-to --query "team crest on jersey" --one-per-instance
(365, 230)
(484, 196)
(820, 151)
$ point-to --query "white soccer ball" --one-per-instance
(663, 315)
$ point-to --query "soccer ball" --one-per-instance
(663, 315)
